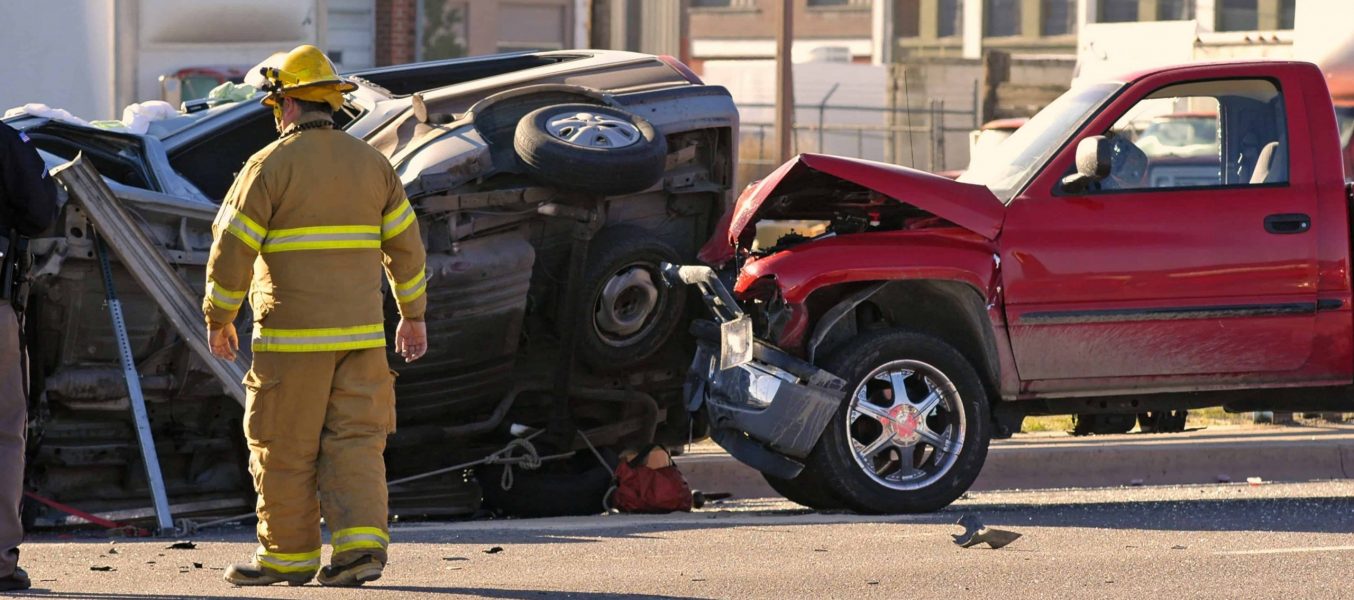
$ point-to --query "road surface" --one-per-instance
(1204, 541)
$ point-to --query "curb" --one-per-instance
(1108, 461)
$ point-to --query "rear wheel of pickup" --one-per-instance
(912, 434)
(1102, 424)
(1163, 421)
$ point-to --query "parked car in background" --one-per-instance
(194, 83)
(523, 168)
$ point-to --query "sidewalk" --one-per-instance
(1045, 461)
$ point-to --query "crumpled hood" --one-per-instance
(970, 206)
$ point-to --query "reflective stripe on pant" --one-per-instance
(13, 426)
(317, 422)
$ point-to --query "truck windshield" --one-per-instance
(1008, 166)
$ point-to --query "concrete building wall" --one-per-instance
(756, 19)
(410, 30)
(76, 74)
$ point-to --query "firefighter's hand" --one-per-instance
(224, 342)
(411, 339)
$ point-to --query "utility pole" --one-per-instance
(785, 85)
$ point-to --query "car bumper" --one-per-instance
(766, 407)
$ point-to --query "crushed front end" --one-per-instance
(767, 408)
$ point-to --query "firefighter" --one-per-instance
(27, 206)
(303, 234)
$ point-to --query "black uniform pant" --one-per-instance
(13, 423)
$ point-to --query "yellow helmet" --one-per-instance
(306, 74)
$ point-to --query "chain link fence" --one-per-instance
(930, 135)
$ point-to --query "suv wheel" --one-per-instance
(626, 313)
(912, 434)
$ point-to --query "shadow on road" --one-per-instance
(1296, 515)
(533, 594)
(400, 590)
(1313, 514)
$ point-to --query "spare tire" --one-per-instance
(590, 148)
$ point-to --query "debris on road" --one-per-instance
(494, 550)
(699, 498)
(454, 558)
(101, 568)
(182, 545)
(976, 533)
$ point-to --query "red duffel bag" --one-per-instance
(650, 483)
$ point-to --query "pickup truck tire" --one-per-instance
(590, 148)
(1102, 424)
(1163, 421)
(808, 489)
(910, 465)
(626, 313)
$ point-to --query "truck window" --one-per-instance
(1201, 134)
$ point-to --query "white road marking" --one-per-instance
(1290, 550)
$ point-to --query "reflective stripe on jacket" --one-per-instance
(303, 234)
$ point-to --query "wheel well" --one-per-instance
(951, 311)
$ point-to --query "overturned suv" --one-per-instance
(549, 187)
(832, 364)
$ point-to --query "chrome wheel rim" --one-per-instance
(906, 425)
(593, 130)
(626, 305)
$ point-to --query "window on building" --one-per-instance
(1287, 10)
(950, 18)
(1238, 15)
(710, 3)
(1175, 10)
(829, 2)
(1002, 18)
(1117, 11)
(908, 18)
(1058, 17)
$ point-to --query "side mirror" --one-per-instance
(1093, 163)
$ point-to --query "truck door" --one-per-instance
(1195, 256)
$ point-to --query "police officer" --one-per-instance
(304, 234)
(27, 206)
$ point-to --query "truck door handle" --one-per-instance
(1288, 223)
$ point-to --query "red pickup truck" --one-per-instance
(869, 366)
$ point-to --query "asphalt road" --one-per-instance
(1209, 541)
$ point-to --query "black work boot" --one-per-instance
(361, 570)
(253, 574)
(18, 580)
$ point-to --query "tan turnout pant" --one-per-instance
(316, 423)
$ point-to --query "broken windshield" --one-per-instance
(1007, 167)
